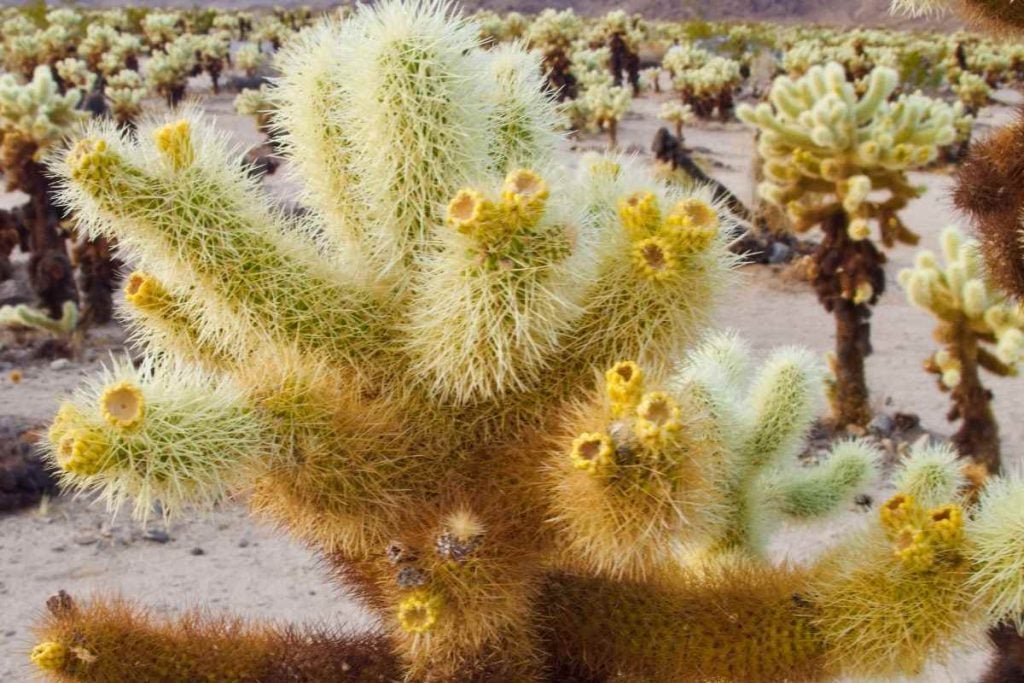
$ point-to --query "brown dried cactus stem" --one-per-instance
(560, 80)
(840, 266)
(978, 435)
(49, 266)
(623, 60)
(97, 274)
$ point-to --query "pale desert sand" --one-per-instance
(254, 571)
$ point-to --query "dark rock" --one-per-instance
(197, 551)
(156, 536)
(24, 477)
(881, 425)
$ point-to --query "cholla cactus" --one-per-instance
(622, 35)
(34, 117)
(988, 190)
(709, 88)
(167, 73)
(161, 28)
(678, 115)
(1000, 14)
(257, 103)
(125, 92)
(972, 91)
(603, 106)
(249, 58)
(75, 73)
(972, 318)
(461, 382)
(32, 318)
(552, 33)
(828, 153)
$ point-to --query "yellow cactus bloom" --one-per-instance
(913, 550)
(174, 141)
(83, 451)
(419, 612)
(68, 416)
(624, 385)
(658, 419)
(655, 258)
(144, 292)
(472, 214)
(693, 212)
(122, 405)
(49, 655)
(91, 161)
(524, 196)
(640, 215)
(898, 512)
(947, 524)
(863, 293)
(593, 452)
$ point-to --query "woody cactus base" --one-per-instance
(464, 380)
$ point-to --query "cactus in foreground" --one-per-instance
(463, 380)
(978, 329)
(829, 154)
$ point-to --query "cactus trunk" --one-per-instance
(978, 436)
(50, 268)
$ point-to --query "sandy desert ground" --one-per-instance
(222, 559)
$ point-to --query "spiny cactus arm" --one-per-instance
(489, 310)
(115, 640)
(766, 430)
(633, 474)
(814, 492)
(996, 551)
(162, 320)
(179, 200)
(525, 114)
(932, 475)
(308, 97)
(419, 113)
(662, 256)
(737, 622)
(161, 433)
(26, 316)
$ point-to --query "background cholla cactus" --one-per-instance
(167, 73)
(463, 379)
(34, 117)
(709, 88)
(602, 106)
(125, 92)
(257, 103)
(678, 114)
(622, 35)
(248, 58)
(978, 328)
(552, 33)
(828, 152)
(161, 28)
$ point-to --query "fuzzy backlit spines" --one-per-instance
(173, 439)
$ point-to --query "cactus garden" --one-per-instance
(416, 342)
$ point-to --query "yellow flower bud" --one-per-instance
(913, 550)
(524, 196)
(91, 162)
(83, 451)
(419, 612)
(624, 384)
(640, 215)
(898, 512)
(174, 141)
(49, 656)
(472, 214)
(947, 524)
(144, 292)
